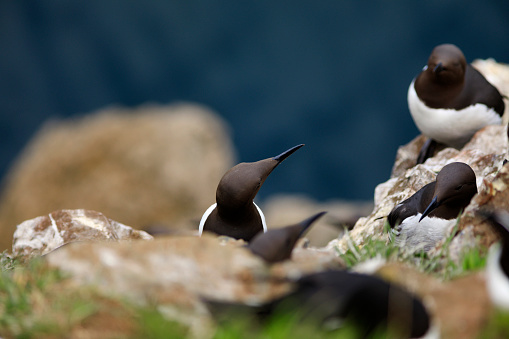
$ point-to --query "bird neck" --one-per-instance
(437, 93)
(238, 213)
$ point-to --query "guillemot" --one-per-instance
(449, 100)
(235, 214)
(330, 298)
(422, 220)
(497, 264)
(277, 244)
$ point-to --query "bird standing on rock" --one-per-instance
(422, 220)
(277, 244)
(235, 214)
(450, 100)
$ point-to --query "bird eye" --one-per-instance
(458, 187)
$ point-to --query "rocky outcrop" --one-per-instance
(177, 272)
(484, 153)
(150, 166)
(41, 235)
(168, 184)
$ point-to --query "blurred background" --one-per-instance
(330, 74)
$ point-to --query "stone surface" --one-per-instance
(153, 165)
(406, 156)
(484, 153)
(461, 307)
(176, 272)
(282, 210)
(493, 195)
(44, 234)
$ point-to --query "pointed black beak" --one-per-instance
(308, 222)
(438, 68)
(434, 204)
(287, 153)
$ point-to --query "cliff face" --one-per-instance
(485, 153)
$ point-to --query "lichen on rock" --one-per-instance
(43, 234)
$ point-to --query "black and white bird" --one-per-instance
(449, 100)
(235, 214)
(497, 265)
(425, 218)
(329, 299)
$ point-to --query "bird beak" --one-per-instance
(438, 68)
(263, 168)
(308, 222)
(287, 153)
(434, 204)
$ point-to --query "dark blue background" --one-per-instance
(331, 74)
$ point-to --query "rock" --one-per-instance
(460, 307)
(176, 272)
(485, 144)
(484, 153)
(282, 210)
(153, 165)
(494, 195)
(406, 156)
(41, 235)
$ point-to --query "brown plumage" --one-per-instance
(277, 244)
(235, 214)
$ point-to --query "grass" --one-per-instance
(497, 327)
(440, 265)
(40, 302)
(289, 326)
(152, 324)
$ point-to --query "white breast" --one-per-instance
(423, 235)
(496, 281)
(449, 126)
